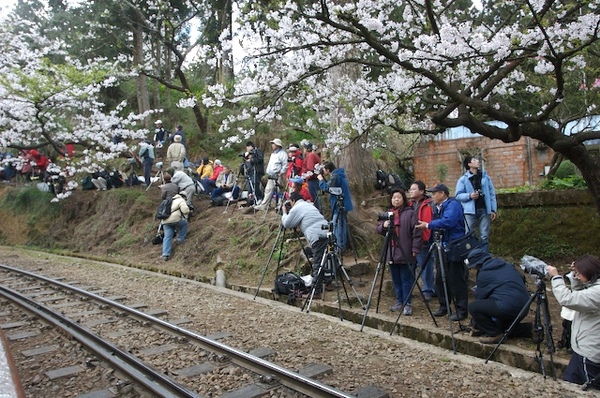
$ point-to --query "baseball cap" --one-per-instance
(439, 188)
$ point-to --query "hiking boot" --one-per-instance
(442, 311)
(491, 339)
(458, 317)
(166, 258)
(407, 310)
(396, 307)
(427, 296)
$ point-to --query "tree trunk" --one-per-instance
(589, 166)
(143, 97)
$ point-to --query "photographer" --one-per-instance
(314, 227)
(476, 194)
(337, 178)
(405, 244)
(255, 160)
(448, 222)
(276, 169)
(584, 299)
(500, 295)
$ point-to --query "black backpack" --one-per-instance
(164, 209)
(388, 181)
(290, 284)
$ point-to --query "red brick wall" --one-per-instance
(509, 165)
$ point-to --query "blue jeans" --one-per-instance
(427, 276)
(181, 227)
(403, 278)
(340, 228)
(483, 220)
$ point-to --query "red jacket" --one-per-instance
(424, 213)
(310, 161)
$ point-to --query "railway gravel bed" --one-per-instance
(402, 367)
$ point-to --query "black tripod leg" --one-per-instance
(548, 329)
(334, 267)
(442, 267)
(518, 319)
(416, 283)
(380, 269)
(264, 272)
(318, 280)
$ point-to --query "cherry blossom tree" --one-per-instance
(49, 100)
(421, 66)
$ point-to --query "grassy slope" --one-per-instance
(114, 225)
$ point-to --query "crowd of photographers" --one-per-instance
(419, 222)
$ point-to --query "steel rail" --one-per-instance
(284, 376)
(137, 370)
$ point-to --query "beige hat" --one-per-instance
(158, 122)
(277, 142)
(177, 138)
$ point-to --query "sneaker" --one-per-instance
(396, 307)
(491, 339)
(407, 310)
(166, 258)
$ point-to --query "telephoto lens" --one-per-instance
(385, 216)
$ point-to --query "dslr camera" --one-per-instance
(288, 206)
(480, 192)
(388, 216)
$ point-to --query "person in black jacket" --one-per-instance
(500, 296)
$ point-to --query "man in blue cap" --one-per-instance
(500, 296)
(448, 223)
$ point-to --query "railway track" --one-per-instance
(130, 350)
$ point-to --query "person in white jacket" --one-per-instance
(176, 153)
(584, 298)
(177, 222)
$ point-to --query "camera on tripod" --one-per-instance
(336, 191)
(389, 216)
(159, 165)
(534, 266)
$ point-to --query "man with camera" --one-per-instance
(276, 168)
(340, 204)
(448, 225)
(254, 163)
(297, 212)
(476, 194)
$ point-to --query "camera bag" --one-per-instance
(460, 248)
(288, 282)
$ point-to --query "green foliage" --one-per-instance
(30, 200)
(442, 171)
(573, 182)
(551, 233)
(565, 169)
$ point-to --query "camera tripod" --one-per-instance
(341, 223)
(437, 250)
(541, 327)
(331, 269)
(279, 240)
(158, 173)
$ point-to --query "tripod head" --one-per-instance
(438, 235)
